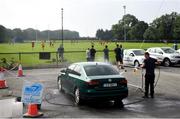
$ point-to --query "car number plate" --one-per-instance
(110, 85)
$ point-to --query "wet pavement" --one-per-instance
(165, 104)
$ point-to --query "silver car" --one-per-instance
(166, 55)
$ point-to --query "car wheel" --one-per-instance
(60, 85)
(118, 103)
(136, 63)
(77, 97)
(167, 62)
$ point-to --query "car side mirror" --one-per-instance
(63, 71)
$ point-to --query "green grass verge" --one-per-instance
(33, 59)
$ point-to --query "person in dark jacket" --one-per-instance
(149, 64)
(106, 54)
(118, 55)
(92, 53)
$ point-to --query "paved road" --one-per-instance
(165, 104)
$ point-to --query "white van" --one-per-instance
(133, 57)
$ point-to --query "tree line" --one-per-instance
(18, 35)
(165, 28)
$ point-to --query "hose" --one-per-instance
(53, 103)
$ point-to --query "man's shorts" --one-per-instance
(118, 59)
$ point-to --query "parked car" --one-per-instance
(166, 55)
(133, 57)
(178, 50)
(88, 81)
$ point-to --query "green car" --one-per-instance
(93, 81)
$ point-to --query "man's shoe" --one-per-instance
(145, 97)
(152, 96)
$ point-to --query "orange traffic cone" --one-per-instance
(3, 84)
(32, 112)
(20, 71)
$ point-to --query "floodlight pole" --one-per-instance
(124, 23)
(48, 33)
(36, 35)
(62, 26)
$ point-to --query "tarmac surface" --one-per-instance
(165, 104)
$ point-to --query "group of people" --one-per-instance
(90, 54)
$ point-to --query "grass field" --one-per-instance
(33, 59)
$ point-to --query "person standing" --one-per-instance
(92, 53)
(61, 53)
(149, 65)
(117, 52)
(106, 54)
(122, 55)
(88, 55)
(43, 45)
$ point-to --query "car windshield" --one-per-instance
(138, 52)
(168, 50)
(97, 70)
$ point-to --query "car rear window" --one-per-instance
(98, 70)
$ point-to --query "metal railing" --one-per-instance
(31, 59)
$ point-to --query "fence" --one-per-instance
(32, 59)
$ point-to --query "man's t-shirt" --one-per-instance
(92, 52)
(106, 52)
(150, 65)
(117, 52)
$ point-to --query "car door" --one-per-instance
(131, 58)
(159, 54)
(126, 57)
(74, 78)
(67, 78)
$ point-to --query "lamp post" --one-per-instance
(62, 26)
(124, 23)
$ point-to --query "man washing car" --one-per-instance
(149, 64)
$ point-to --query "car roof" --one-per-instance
(134, 49)
(159, 47)
(90, 63)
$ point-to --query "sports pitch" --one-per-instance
(33, 59)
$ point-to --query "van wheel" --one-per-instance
(136, 63)
(167, 62)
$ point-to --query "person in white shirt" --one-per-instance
(88, 54)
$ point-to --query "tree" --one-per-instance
(151, 33)
(118, 31)
(137, 31)
(165, 25)
(177, 28)
(127, 22)
(104, 35)
(2, 34)
(18, 35)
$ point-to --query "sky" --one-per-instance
(84, 16)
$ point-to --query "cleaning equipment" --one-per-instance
(20, 71)
(3, 84)
(32, 112)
